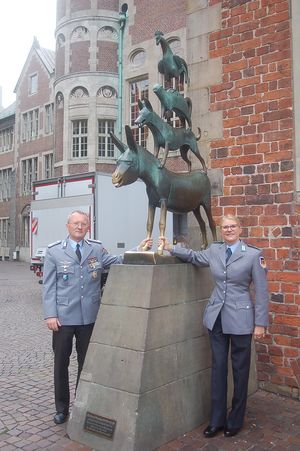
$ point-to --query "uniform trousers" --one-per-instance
(241, 358)
(62, 347)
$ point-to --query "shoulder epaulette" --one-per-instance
(89, 240)
(254, 247)
(54, 244)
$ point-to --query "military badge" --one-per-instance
(262, 262)
(65, 265)
(94, 265)
(92, 262)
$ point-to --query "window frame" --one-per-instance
(81, 138)
(108, 148)
(4, 231)
(30, 125)
(140, 133)
(48, 165)
(49, 118)
(33, 84)
(29, 174)
(5, 184)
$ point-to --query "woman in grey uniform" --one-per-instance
(231, 317)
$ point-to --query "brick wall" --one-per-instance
(78, 5)
(79, 168)
(107, 60)
(112, 5)
(60, 61)
(104, 167)
(80, 56)
(257, 159)
(157, 15)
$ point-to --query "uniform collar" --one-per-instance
(234, 246)
(73, 243)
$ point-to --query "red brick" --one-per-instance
(263, 150)
(291, 352)
(289, 277)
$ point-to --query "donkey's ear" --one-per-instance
(140, 104)
(130, 139)
(118, 143)
(148, 104)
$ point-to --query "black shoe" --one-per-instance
(60, 417)
(211, 431)
(231, 432)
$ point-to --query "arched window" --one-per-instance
(107, 34)
(138, 58)
(80, 34)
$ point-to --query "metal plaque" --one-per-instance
(100, 425)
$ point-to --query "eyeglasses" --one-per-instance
(76, 225)
(229, 227)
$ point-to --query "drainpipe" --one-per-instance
(122, 21)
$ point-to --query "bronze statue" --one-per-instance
(179, 193)
(171, 66)
(172, 100)
(168, 137)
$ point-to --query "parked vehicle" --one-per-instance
(117, 217)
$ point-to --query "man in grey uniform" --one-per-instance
(231, 317)
(71, 299)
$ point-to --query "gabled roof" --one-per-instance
(46, 56)
(9, 111)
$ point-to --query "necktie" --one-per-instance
(78, 253)
(228, 254)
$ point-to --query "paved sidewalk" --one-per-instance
(26, 386)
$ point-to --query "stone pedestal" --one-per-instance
(146, 377)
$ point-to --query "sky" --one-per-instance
(21, 20)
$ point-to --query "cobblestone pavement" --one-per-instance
(26, 386)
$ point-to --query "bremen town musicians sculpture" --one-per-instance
(178, 193)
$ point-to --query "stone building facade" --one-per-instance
(243, 69)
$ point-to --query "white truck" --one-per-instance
(117, 216)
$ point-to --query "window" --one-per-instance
(49, 118)
(5, 184)
(33, 82)
(48, 166)
(138, 58)
(29, 174)
(4, 230)
(105, 144)
(138, 90)
(6, 139)
(25, 226)
(79, 141)
(30, 125)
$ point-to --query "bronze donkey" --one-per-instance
(167, 136)
(179, 193)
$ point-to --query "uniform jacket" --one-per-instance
(231, 294)
(72, 289)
